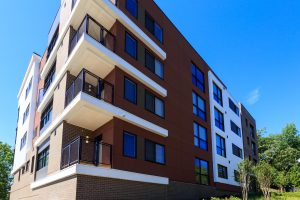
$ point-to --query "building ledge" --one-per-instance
(88, 170)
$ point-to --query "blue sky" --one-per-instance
(253, 46)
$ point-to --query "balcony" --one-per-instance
(86, 151)
(95, 30)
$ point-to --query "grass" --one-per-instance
(278, 196)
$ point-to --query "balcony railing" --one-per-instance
(96, 31)
(86, 151)
(90, 84)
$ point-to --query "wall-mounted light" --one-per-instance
(87, 139)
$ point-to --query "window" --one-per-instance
(154, 104)
(131, 46)
(53, 42)
(26, 113)
(46, 115)
(221, 147)
(200, 137)
(201, 169)
(237, 151)
(130, 91)
(23, 141)
(233, 107)
(28, 88)
(235, 128)
(219, 119)
(153, 27)
(217, 94)
(129, 145)
(154, 65)
(18, 115)
(198, 78)
(32, 165)
(132, 7)
(252, 131)
(154, 152)
(248, 141)
(253, 145)
(42, 159)
(236, 176)
(222, 172)
(199, 106)
(49, 78)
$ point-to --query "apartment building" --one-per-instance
(127, 110)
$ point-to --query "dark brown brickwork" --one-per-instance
(247, 121)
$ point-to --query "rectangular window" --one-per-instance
(233, 107)
(153, 27)
(236, 176)
(26, 113)
(219, 119)
(46, 115)
(221, 147)
(235, 128)
(129, 145)
(198, 78)
(23, 141)
(130, 91)
(154, 104)
(222, 172)
(200, 137)
(252, 131)
(154, 152)
(132, 7)
(217, 94)
(253, 145)
(49, 78)
(28, 88)
(237, 151)
(131, 46)
(153, 64)
(201, 169)
(199, 106)
(42, 159)
(53, 42)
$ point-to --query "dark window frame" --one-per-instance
(49, 77)
(147, 15)
(200, 171)
(218, 94)
(26, 113)
(233, 107)
(197, 82)
(136, 90)
(221, 148)
(147, 92)
(222, 172)
(253, 147)
(198, 136)
(23, 141)
(43, 159)
(237, 151)
(252, 131)
(199, 111)
(47, 113)
(135, 15)
(136, 46)
(155, 59)
(235, 128)
(154, 143)
(135, 147)
(218, 116)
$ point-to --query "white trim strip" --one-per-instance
(100, 172)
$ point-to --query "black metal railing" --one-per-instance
(83, 150)
(90, 84)
(96, 31)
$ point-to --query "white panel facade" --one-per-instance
(230, 160)
(26, 126)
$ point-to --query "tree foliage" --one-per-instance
(6, 160)
(282, 151)
(245, 169)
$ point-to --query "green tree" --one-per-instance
(294, 175)
(264, 173)
(245, 169)
(281, 180)
(6, 160)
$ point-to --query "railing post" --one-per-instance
(99, 88)
(79, 149)
(83, 80)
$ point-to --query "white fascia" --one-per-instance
(121, 63)
(88, 170)
(106, 107)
